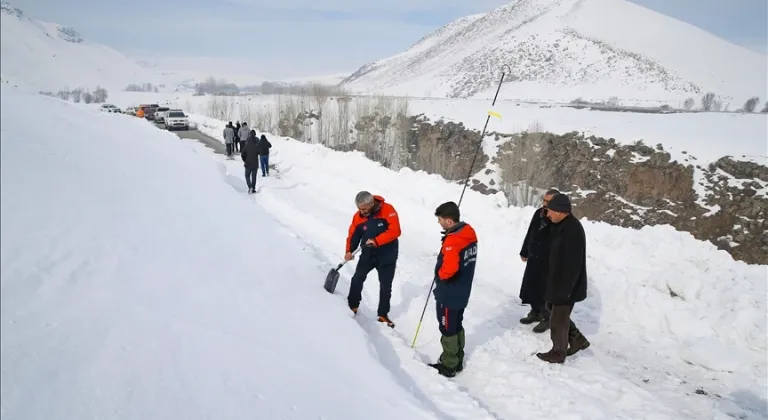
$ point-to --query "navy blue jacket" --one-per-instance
(455, 267)
(383, 226)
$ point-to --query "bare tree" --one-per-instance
(100, 95)
(76, 94)
(765, 108)
(707, 101)
(525, 173)
(88, 97)
(688, 104)
(751, 104)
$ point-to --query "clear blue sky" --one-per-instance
(291, 38)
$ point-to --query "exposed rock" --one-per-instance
(636, 185)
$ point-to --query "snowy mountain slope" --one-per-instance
(564, 49)
(677, 327)
(136, 284)
(47, 56)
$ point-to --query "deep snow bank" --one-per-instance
(137, 284)
(669, 317)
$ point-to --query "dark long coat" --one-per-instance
(536, 250)
(567, 272)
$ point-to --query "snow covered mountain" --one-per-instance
(47, 56)
(566, 49)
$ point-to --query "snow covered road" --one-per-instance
(653, 355)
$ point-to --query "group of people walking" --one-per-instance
(555, 278)
(254, 151)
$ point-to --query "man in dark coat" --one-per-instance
(250, 156)
(264, 146)
(566, 282)
(236, 141)
(454, 272)
(534, 253)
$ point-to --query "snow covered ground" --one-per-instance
(136, 284)
(651, 352)
(140, 281)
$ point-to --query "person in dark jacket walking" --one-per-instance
(264, 146)
(236, 141)
(250, 156)
(454, 272)
(534, 253)
(566, 282)
(375, 226)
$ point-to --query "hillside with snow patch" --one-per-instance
(561, 50)
(44, 56)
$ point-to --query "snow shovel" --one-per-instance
(333, 276)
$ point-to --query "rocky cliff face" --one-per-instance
(631, 185)
(637, 185)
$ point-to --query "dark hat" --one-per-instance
(560, 203)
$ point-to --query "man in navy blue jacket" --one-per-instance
(454, 273)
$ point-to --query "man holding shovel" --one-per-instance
(376, 226)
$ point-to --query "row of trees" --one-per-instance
(99, 95)
(375, 125)
(144, 87)
(708, 102)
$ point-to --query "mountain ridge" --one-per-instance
(47, 56)
(564, 49)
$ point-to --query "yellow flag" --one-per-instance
(494, 114)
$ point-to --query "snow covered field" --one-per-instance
(140, 281)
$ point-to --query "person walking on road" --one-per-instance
(375, 227)
(566, 282)
(237, 139)
(534, 253)
(454, 272)
(229, 137)
(264, 146)
(243, 132)
(250, 156)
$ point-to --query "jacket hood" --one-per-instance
(378, 198)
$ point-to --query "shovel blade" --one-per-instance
(331, 280)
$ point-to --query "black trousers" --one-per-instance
(561, 327)
(450, 320)
(386, 275)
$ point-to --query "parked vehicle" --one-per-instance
(131, 110)
(140, 110)
(149, 113)
(176, 119)
(160, 114)
(109, 108)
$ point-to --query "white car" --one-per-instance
(175, 119)
(160, 114)
(130, 110)
(109, 108)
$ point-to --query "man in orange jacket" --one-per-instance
(454, 272)
(375, 226)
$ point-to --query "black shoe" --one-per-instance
(443, 370)
(533, 316)
(542, 326)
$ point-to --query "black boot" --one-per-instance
(576, 341)
(543, 324)
(532, 317)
